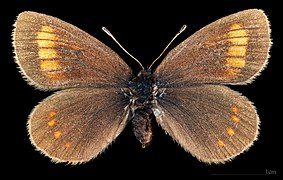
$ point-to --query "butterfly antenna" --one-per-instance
(179, 32)
(109, 34)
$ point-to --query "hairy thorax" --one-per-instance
(142, 92)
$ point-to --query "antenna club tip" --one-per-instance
(183, 28)
(179, 32)
(107, 31)
(104, 29)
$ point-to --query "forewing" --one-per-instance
(76, 125)
(231, 50)
(53, 54)
(212, 122)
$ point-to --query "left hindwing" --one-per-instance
(75, 125)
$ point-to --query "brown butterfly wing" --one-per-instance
(75, 125)
(231, 50)
(53, 54)
(212, 122)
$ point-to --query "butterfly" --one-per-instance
(98, 94)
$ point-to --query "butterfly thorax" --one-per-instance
(141, 92)
(141, 88)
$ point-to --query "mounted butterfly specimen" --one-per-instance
(98, 93)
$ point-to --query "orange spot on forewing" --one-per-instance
(238, 38)
(52, 69)
(49, 65)
(237, 30)
(45, 43)
(236, 62)
(47, 29)
(46, 53)
(45, 37)
(237, 51)
(238, 35)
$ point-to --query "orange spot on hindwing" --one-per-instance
(68, 145)
(51, 114)
(235, 118)
(230, 131)
(57, 134)
(220, 142)
(234, 109)
(51, 122)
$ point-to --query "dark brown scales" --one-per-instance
(142, 126)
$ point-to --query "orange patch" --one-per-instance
(47, 29)
(239, 40)
(68, 145)
(238, 27)
(235, 118)
(230, 131)
(51, 114)
(236, 62)
(46, 33)
(51, 122)
(237, 36)
(44, 39)
(234, 109)
(49, 65)
(45, 43)
(237, 51)
(57, 134)
(46, 53)
(220, 142)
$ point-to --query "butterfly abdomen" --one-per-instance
(142, 95)
(142, 126)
